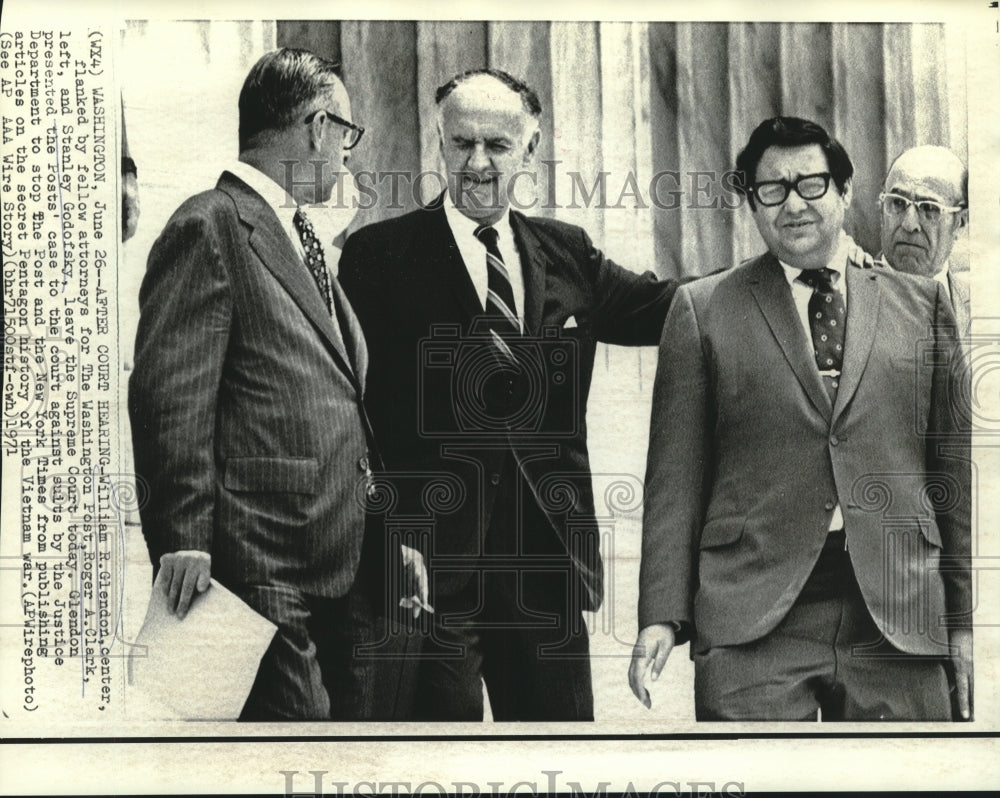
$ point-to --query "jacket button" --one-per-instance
(363, 463)
(834, 440)
(829, 505)
(494, 479)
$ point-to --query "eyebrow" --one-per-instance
(491, 140)
(794, 178)
(918, 197)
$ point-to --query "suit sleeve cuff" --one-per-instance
(682, 631)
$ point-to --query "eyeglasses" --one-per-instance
(927, 210)
(775, 192)
(352, 132)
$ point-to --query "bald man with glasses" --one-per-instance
(924, 205)
(807, 512)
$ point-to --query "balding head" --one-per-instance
(488, 126)
(912, 240)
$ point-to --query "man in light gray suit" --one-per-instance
(808, 487)
(924, 207)
(246, 405)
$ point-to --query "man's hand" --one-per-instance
(130, 205)
(961, 662)
(653, 647)
(416, 592)
(181, 574)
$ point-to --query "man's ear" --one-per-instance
(529, 151)
(961, 220)
(848, 192)
(317, 130)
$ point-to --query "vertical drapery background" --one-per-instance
(641, 99)
(655, 110)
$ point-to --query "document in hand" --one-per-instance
(201, 668)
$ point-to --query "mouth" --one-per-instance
(909, 245)
(798, 224)
(470, 179)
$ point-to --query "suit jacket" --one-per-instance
(248, 427)
(958, 284)
(418, 307)
(748, 459)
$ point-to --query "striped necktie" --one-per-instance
(500, 306)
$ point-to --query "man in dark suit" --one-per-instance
(925, 204)
(807, 518)
(246, 401)
(482, 325)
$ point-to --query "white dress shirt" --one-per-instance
(801, 294)
(284, 208)
(473, 253)
(943, 277)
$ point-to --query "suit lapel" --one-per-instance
(354, 338)
(440, 251)
(534, 262)
(771, 291)
(270, 241)
(960, 301)
(862, 321)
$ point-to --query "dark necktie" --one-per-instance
(315, 259)
(500, 306)
(827, 322)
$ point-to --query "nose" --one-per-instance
(794, 203)
(478, 160)
(911, 222)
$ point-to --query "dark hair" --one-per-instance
(528, 97)
(790, 131)
(277, 87)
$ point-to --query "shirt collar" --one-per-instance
(462, 224)
(943, 276)
(837, 263)
(271, 192)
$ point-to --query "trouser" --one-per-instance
(331, 659)
(346, 658)
(516, 626)
(826, 656)
(531, 650)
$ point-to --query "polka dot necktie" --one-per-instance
(315, 259)
(827, 321)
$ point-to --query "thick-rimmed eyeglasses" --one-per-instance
(775, 192)
(352, 132)
(927, 210)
